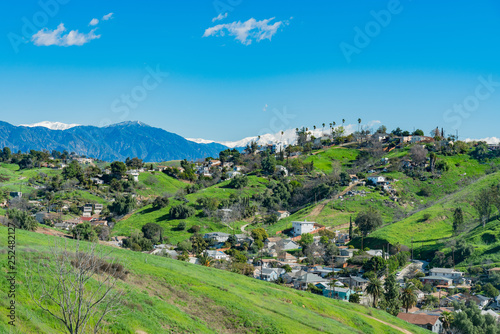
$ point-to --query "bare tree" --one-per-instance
(80, 282)
(418, 154)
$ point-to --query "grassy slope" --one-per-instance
(157, 183)
(171, 296)
(161, 217)
(323, 158)
(430, 235)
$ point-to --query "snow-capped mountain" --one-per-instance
(288, 137)
(51, 125)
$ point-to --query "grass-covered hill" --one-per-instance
(169, 296)
(161, 217)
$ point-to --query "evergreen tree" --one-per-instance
(391, 295)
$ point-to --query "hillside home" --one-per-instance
(282, 214)
(217, 236)
(98, 208)
(286, 258)
(338, 293)
(232, 174)
(269, 274)
(217, 255)
(437, 280)
(354, 282)
(456, 276)
(303, 281)
(87, 210)
(300, 228)
(349, 252)
(376, 179)
(429, 322)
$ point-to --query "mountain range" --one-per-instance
(113, 142)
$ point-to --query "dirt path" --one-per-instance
(243, 229)
(402, 330)
(317, 210)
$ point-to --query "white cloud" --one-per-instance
(265, 108)
(46, 37)
(247, 31)
(107, 17)
(219, 17)
(94, 22)
(489, 140)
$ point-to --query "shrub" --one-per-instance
(181, 211)
(181, 226)
(194, 229)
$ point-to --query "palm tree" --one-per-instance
(446, 318)
(359, 123)
(374, 289)
(205, 260)
(314, 126)
(409, 296)
(323, 128)
(343, 121)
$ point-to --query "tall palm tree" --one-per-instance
(374, 289)
(343, 121)
(359, 124)
(409, 296)
(314, 126)
(323, 128)
(446, 318)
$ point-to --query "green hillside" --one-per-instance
(169, 296)
(430, 235)
(162, 217)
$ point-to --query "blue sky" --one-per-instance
(265, 66)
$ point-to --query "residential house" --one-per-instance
(270, 242)
(286, 258)
(354, 282)
(217, 236)
(96, 180)
(282, 214)
(134, 174)
(98, 208)
(376, 179)
(429, 322)
(269, 274)
(300, 228)
(242, 238)
(87, 210)
(349, 252)
(338, 293)
(16, 194)
(375, 252)
(437, 280)
(303, 281)
(456, 276)
(293, 275)
(232, 174)
(217, 255)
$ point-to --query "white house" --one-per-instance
(232, 174)
(282, 214)
(218, 255)
(456, 276)
(217, 236)
(376, 179)
(300, 228)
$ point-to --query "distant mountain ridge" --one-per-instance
(113, 142)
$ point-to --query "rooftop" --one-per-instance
(419, 319)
